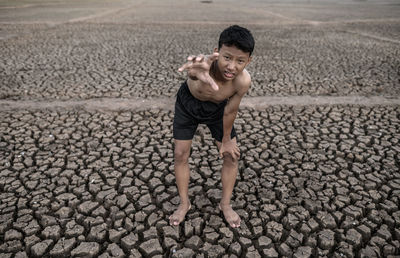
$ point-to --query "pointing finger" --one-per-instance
(213, 84)
(211, 81)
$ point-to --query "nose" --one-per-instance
(231, 65)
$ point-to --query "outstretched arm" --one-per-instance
(198, 68)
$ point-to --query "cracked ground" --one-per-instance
(315, 179)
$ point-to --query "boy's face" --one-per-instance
(231, 61)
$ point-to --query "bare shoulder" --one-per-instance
(243, 82)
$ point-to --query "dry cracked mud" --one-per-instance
(90, 61)
(313, 181)
(302, 48)
(86, 148)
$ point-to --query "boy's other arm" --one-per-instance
(230, 112)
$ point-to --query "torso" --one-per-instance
(206, 93)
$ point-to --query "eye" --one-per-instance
(241, 62)
(226, 57)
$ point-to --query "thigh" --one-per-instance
(184, 126)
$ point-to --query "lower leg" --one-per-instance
(228, 178)
(182, 175)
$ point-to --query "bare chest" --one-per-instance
(206, 93)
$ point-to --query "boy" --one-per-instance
(211, 96)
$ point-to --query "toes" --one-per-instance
(173, 222)
(235, 224)
(175, 219)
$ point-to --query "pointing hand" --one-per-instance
(199, 67)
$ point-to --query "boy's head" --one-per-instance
(237, 36)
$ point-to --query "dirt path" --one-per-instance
(116, 104)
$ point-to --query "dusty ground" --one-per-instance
(87, 92)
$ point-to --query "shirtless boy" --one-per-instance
(211, 96)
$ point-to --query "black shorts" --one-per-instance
(190, 112)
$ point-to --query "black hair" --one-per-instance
(237, 36)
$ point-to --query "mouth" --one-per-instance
(229, 74)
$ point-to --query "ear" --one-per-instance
(248, 61)
(250, 58)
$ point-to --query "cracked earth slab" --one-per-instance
(313, 181)
(86, 164)
(84, 60)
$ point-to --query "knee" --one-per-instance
(181, 155)
(229, 161)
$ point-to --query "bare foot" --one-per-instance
(230, 215)
(179, 215)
